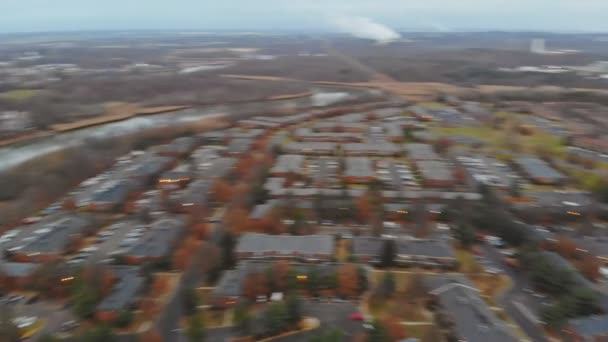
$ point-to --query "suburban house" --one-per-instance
(588, 329)
(288, 164)
(123, 295)
(462, 312)
(230, 288)
(157, 242)
(417, 152)
(310, 148)
(411, 252)
(309, 248)
(53, 239)
(435, 174)
(539, 171)
(358, 170)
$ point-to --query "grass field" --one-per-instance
(466, 261)
(498, 138)
(19, 94)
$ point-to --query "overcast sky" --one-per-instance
(444, 15)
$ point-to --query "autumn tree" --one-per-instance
(280, 272)
(364, 209)
(255, 285)
(151, 336)
(590, 267)
(393, 329)
(221, 191)
(200, 231)
(348, 280)
(566, 247)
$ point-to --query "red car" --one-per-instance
(356, 316)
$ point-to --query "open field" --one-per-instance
(19, 94)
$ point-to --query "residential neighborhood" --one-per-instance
(374, 215)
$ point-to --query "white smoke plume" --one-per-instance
(366, 28)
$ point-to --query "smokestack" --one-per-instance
(365, 28)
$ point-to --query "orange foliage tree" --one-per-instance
(255, 285)
(394, 329)
(151, 336)
(280, 272)
(566, 247)
(200, 231)
(221, 191)
(364, 208)
(590, 267)
(348, 285)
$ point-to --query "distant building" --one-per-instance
(157, 243)
(358, 170)
(13, 122)
(288, 164)
(539, 171)
(310, 248)
(417, 152)
(435, 173)
(123, 294)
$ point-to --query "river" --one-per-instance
(14, 155)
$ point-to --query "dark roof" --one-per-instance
(434, 170)
(537, 168)
(17, 269)
(430, 248)
(590, 327)
(420, 152)
(159, 240)
(473, 320)
(58, 236)
(124, 292)
(358, 167)
(288, 163)
(286, 244)
(240, 145)
(231, 282)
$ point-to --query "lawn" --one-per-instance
(498, 138)
(402, 279)
(343, 250)
(19, 94)
(406, 303)
(490, 285)
(466, 261)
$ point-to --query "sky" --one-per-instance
(301, 15)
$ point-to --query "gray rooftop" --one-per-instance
(124, 293)
(537, 168)
(358, 167)
(240, 145)
(384, 148)
(57, 236)
(159, 240)
(420, 152)
(589, 327)
(473, 319)
(288, 163)
(286, 244)
(310, 147)
(17, 269)
(428, 248)
(434, 170)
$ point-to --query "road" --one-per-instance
(519, 305)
